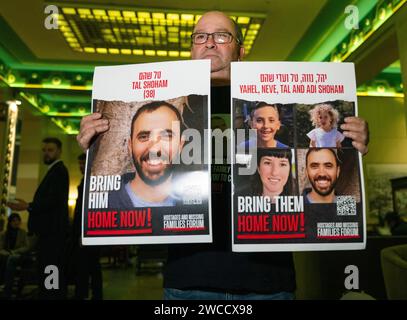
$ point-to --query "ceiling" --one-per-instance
(57, 80)
(50, 45)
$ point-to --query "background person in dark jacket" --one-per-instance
(48, 217)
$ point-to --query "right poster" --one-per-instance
(297, 180)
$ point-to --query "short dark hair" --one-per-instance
(152, 106)
(311, 150)
(263, 104)
(53, 140)
(82, 156)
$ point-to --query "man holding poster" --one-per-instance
(213, 271)
(155, 141)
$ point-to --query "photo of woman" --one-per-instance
(274, 173)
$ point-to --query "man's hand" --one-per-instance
(17, 205)
(91, 125)
(357, 129)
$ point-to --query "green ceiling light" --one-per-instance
(377, 16)
(56, 81)
(140, 31)
(375, 93)
(11, 78)
(64, 110)
(45, 109)
(66, 126)
(46, 78)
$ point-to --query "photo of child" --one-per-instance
(325, 118)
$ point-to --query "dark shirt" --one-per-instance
(11, 239)
(49, 208)
(214, 266)
(77, 218)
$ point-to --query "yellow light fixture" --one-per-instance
(162, 53)
(138, 52)
(172, 16)
(84, 11)
(114, 51)
(150, 30)
(99, 12)
(243, 20)
(149, 52)
(129, 14)
(114, 13)
(125, 51)
(101, 50)
(187, 17)
(68, 10)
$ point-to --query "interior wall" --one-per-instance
(388, 134)
(387, 125)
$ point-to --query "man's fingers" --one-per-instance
(85, 136)
(92, 116)
(91, 125)
(92, 122)
(363, 149)
(356, 129)
(356, 136)
(351, 127)
(354, 124)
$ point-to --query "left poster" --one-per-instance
(147, 178)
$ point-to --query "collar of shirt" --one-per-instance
(53, 164)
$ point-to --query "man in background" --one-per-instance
(48, 219)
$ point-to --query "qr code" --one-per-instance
(192, 195)
(346, 206)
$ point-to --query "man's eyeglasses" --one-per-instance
(218, 37)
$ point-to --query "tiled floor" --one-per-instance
(122, 283)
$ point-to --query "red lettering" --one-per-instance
(285, 222)
(91, 220)
(102, 219)
(134, 218)
(250, 223)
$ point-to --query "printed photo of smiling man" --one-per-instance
(155, 140)
(326, 173)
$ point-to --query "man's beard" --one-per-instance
(152, 182)
(328, 191)
(48, 161)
